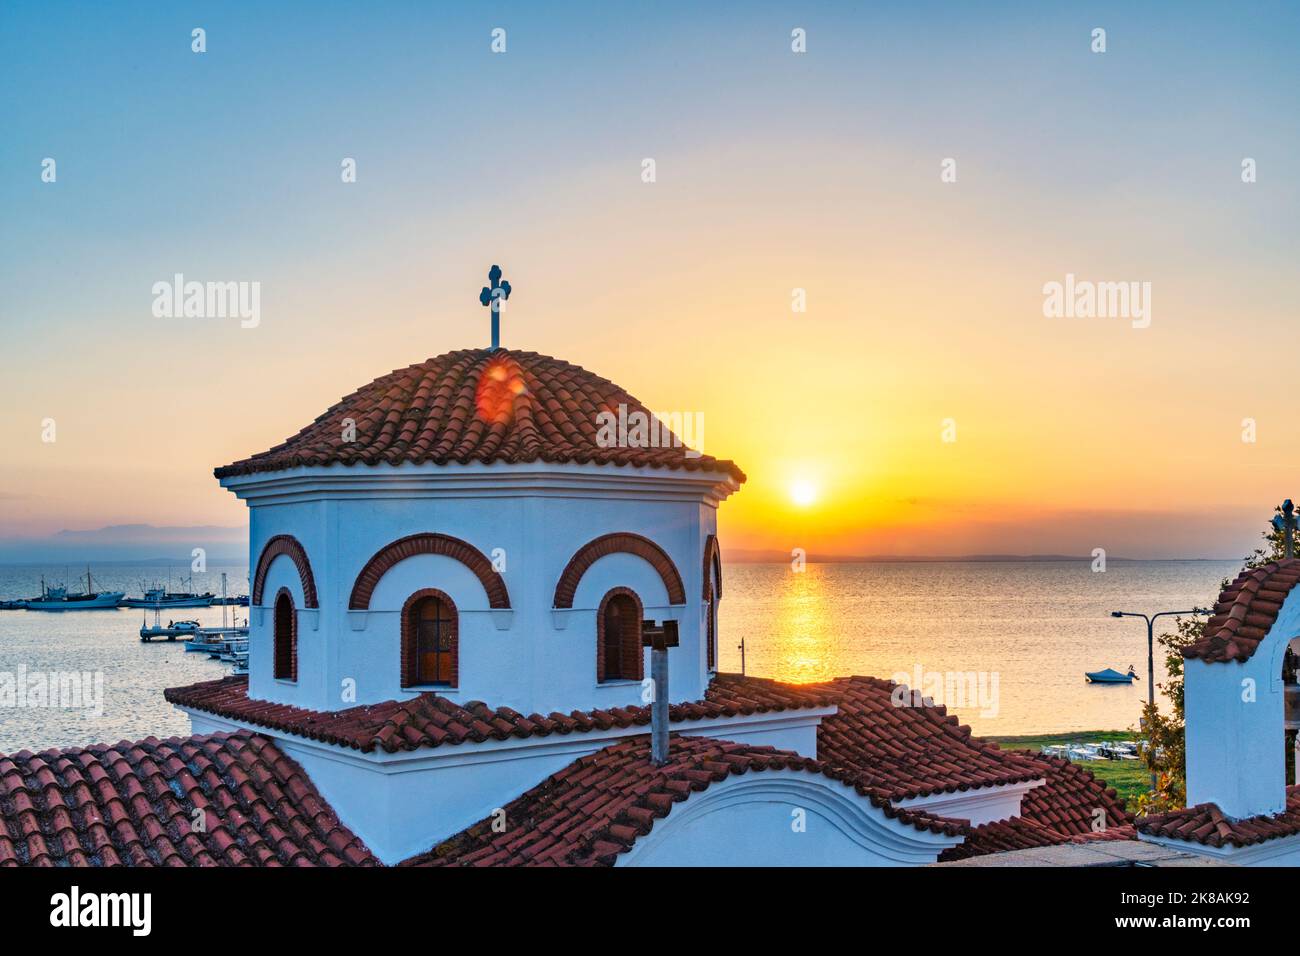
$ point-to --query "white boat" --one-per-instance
(58, 599)
(158, 598)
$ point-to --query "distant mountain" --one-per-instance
(741, 556)
(130, 543)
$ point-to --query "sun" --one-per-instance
(803, 493)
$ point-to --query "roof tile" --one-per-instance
(1246, 610)
(1206, 824)
(476, 405)
(134, 815)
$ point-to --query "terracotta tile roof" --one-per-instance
(1060, 811)
(1206, 824)
(134, 804)
(909, 751)
(1068, 801)
(432, 721)
(598, 806)
(1002, 837)
(1246, 610)
(891, 752)
(476, 406)
(902, 751)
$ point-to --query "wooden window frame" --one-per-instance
(284, 659)
(410, 636)
(630, 644)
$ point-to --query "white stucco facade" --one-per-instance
(529, 519)
(783, 818)
(1235, 713)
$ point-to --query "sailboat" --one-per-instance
(58, 598)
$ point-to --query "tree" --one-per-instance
(1164, 749)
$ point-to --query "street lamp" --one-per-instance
(1151, 656)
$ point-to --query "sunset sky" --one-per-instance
(775, 171)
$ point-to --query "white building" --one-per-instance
(1241, 701)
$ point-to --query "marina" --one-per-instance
(227, 642)
(56, 597)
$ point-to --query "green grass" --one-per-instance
(1128, 777)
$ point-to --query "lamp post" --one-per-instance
(1151, 650)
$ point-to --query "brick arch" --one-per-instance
(712, 567)
(290, 547)
(428, 543)
(620, 542)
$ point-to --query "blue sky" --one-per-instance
(816, 170)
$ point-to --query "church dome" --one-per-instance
(477, 405)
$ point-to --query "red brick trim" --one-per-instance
(712, 563)
(710, 633)
(712, 592)
(631, 637)
(628, 543)
(428, 543)
(289, 546)
(408, 638)
(284, 661)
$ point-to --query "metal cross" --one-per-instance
(493, 296)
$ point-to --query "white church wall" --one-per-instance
(303, 520)
(1283, 851)
(543, 660)
(782, 818)
(1235, 713)
(403, 813)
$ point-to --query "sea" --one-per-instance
(1003, 644)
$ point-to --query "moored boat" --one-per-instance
(58, 598)
(1110, 676)
(158, 597)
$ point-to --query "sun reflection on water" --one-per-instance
(804, 652)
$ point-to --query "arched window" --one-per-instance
(430, 645)
(712, 593)
(618, 636)
(711, 629)
(285, 637)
